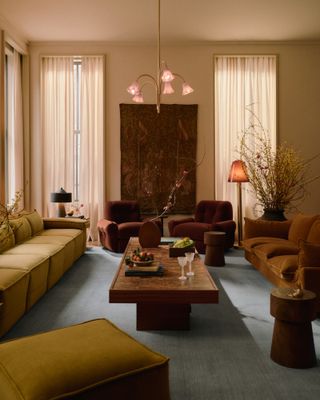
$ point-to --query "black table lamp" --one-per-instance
(61, 197)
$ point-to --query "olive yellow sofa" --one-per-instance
(288, 252)
(94, 360)
(35, 254)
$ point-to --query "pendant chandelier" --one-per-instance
(162, 82)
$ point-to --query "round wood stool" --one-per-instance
(215, 243)
(292, 341)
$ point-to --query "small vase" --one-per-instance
(149, 235)
(273, 214)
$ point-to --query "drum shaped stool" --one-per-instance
(215, 245)
(292, 341)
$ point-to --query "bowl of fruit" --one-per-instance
(181, 246)
(140, 258)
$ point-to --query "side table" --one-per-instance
(215, 243)
(292, 341)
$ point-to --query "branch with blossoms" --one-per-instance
(8, 212)
(278, 176)
(172, 198)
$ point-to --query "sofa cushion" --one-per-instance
(13, 294)
(314, 233)
(21, 229)
(92, 360)
(300, 227)
(194, 230)
(43, 239)
(61, 232)
(286, 265)
(77, 235)
(309, 254)
(6, 237)
(44, 250)
(35, 222)
(269, 250)
(259, 227)
(127, 229)
(251, 243)
(37, 266)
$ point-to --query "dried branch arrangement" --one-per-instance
(8, 212)
(279, 177)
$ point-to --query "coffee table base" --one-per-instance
(155, 316)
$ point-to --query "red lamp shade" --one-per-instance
(238, 172)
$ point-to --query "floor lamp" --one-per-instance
(238, 174)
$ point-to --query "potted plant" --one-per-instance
(278, 176)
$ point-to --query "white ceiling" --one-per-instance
(182, 20)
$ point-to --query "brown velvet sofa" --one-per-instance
(287, 252)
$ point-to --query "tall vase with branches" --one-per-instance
(278, 177)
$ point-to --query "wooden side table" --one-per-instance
(292, 341)
(215, 243)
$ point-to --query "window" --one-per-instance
(72, 113)
(77, 128)
(241, 82)
(14, 155)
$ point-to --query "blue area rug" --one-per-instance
(225, 355)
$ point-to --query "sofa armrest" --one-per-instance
(108, 234)
(225, 226)
(64, 223)
(259, 227)
(174, 222)
(309, 278)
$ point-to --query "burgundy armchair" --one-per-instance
(210, 215)
(122, 220)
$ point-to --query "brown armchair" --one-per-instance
(210, 215)
(122, 220)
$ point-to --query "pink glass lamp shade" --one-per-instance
(167, 89)
(166, 75)
(238, 172)
(134, 88)
(138, 97)
(186, 89)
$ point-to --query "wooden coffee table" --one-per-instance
(163, 302)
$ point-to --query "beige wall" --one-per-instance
(299, 98)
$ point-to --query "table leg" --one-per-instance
(155, 316)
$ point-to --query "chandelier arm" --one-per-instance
(148, 76)
(179, 76)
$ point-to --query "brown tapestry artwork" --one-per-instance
(155, 150)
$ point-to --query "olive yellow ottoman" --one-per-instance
(94, 360)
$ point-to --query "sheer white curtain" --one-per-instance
(57, 127)
(241, 82)
(15, 140)
(92, 140)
